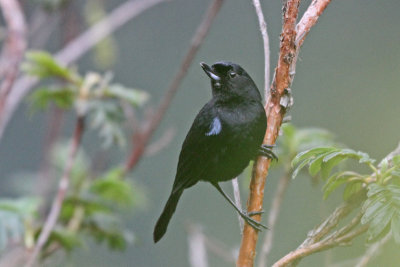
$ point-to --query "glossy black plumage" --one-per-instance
(226, 134)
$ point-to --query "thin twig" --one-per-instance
(275, 113)
(373, 251)
(197, 247)
(161, 143)
(328, 224)
(309, 19)
(320, 246)
(51, 219)
(213, 245)
(236, 196)
(76, 49)
(141, 141)
(273, 218)
(264, 34)
(14, 47)
(219, 249)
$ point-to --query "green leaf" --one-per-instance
(15, 216)
(381, 209)
(23, 206)
(351, 189)
(395, 226)
(332, 184)
(66, 239)
(380, 221)
(107, 118)
(312, 137)
(90, 202)
(328, 165)
(11, 228)
(61, 97)
(133, 96)
(336, 180)
(309, 154)
(315, 165)
(384, 165)
(104, 227)
(396, 160)
(43, 65)
(113, 189)
(299, 168)
(395, 173)
(349, 153)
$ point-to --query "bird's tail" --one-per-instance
(163, 221)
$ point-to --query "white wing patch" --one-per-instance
(215, 127)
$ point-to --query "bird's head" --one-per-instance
(229, 79)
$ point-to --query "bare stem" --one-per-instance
(143, 138)
(197, 247)
(236, 196)
(14, 47)
(76, 49)
(319, 246)
(52, 218)
(264, 34)
(373, 251)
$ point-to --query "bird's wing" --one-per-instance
(197, 156)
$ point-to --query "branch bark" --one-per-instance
(141, 139)
(14, 47)
(275, 115)
(51, 219)
(284, 73)
(76, 49)
(319, 246)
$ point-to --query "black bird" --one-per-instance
(226, 134)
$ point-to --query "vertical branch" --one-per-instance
(14, 47)
(236, 196)
(273, 217)
(197, 247)
(283, 78)
(275, 115)
(264, 34)
(198, 38)
(51, 219)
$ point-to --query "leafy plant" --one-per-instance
(93, 205)
(381, 208)
(16, 220)
(93, 96)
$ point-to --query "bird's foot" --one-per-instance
(251, 213)
(252, 222)
(266, 150)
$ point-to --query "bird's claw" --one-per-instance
(266, 150)
(252, 222)
(251, 213)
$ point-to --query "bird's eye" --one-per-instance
(232, 74)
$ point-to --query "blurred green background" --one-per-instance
(346, 82)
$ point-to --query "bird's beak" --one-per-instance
(209, 71)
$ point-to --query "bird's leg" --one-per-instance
(266, 150)
(245, 215)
